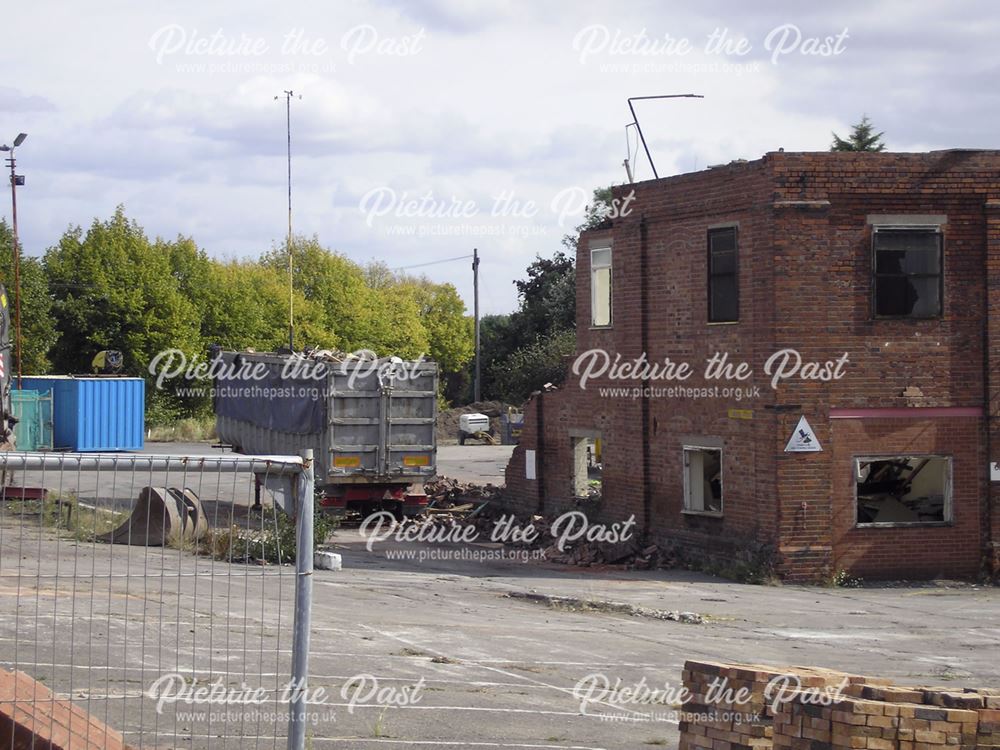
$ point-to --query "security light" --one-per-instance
(20, 139)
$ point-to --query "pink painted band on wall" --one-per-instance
(920, 412)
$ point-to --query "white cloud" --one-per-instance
(462, 101)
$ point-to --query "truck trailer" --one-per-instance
(369, 421)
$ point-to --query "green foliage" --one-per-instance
(862, 138)
(530, 367)
(271, 538)
(449, 331)
(38, 331)
(525, 350)
(111, 287)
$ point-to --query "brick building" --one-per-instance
(890, 259)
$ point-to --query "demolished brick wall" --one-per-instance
(805, 282)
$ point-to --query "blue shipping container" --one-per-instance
(93, 413)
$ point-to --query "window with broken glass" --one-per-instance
(903, 490)
(907, 266)
(703, 480)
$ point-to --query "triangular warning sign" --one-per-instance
(803, 440)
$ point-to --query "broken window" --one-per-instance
(587, 468)
(903, 490)
(723, 287)
(600, 286)
(703, 480)
(907, 272)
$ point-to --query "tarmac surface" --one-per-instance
(419, 645)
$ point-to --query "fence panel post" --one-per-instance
(303, 604)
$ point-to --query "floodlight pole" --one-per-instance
(17, 253)
(288, 241)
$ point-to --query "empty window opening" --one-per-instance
(907, 272)
(587, 468)
(703, 480)
(903, 490)
(600, 286)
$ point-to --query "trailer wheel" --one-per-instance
(461, 438)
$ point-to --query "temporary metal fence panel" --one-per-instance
(33, 411)
(151, 595)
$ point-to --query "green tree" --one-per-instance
(247, 306)
(38, 330)
(547, 297)
(114, 289)
(450, 334)
(337, 285)
(530, 367)
(862, 138)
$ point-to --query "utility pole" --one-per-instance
(476, 392)
(288, 240)
(15, 180)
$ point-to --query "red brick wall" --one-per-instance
(805, 283)
(910, 552)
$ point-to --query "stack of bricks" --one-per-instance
(728, 708)
(943, 706)
(33, 718)
(828, 710)
(855, 723)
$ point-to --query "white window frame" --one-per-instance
(685, 465)
(949, 488)
(593, 285)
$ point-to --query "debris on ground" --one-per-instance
(592, 605)
(465, 503)
(446, 495)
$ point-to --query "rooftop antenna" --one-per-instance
(635, 121)
(628, 151)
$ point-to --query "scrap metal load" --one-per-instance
(370, 422)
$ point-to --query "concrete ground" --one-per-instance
(101, 624)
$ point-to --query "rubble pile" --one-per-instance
(451, 502)
(458, 498)
(632, 554)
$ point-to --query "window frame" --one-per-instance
(582, 439)
(735, 274)
(685, 467)
(949, 486)
(938, 231)
(593, 285)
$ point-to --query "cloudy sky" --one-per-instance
(429, 127)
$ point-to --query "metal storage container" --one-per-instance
(33, 411)
(370, 423)
(94, 413)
